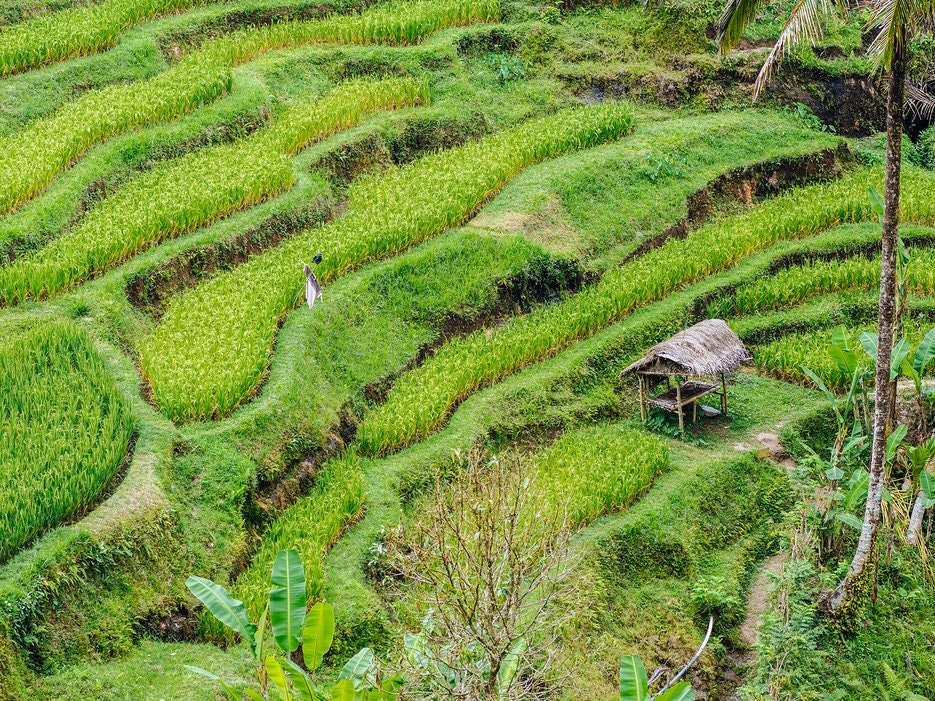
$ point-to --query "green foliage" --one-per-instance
(64, 430)
(599, 470)
(506, 67)
(180, 195)
(424, 397)
(73, 32)
(805, 115)
(286, 611)
(926, 147)
(804, 357)
(634, 685)
(212, 347)
(31, 158)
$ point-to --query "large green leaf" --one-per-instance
(277, 676)
(894, 440)
(229, 691)
(844, 358)
(820, 384)
(302, 685)
(871, 343)
(357, 667)
(927, 482)
(287, 600)
(509, 667)
(228, 610)
(897, 356)
(925, 353)
(259, 637)
(876, 203)
(680, 692)
(850, 520)
(343, 691)
(317, 634)
(634, 685)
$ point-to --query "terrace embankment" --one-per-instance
(546, 279)
(743, 187)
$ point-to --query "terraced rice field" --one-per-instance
(506, 219)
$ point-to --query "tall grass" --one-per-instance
(422, 399)
(310, 527)
(76, 31)
(822, 277)
(64, 430)
(188, 192)
(598, 470)
(31, 158)
(213, 345)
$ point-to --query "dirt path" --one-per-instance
(758, 600)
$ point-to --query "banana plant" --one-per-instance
(634, 684)
(923, 485)
(292, 625)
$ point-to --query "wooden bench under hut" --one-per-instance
(707, 350)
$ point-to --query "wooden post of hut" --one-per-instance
(708, 349)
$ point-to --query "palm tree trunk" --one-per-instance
(846, 591)
(915, 521)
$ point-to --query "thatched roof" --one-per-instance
(707, 348)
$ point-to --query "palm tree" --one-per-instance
(897, 23)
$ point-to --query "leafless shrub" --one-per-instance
(493, 565)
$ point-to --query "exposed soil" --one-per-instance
(758, 600)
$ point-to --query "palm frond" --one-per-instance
(737, 16)
(805, 24)
(920, 101)
(898, 21)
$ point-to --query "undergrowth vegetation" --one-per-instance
(64, 430)
(212, 347)
(309, 527)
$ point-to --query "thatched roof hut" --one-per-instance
(707, 349)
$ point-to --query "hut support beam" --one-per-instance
(643, 413)
(678, 399)
(723, 395)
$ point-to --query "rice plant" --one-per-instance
(188, 192)
(598, 470)
(76, 31)
(785, 357)
(64, 430)
(422, 399)
(310, 527)
(822, 277)
(213, 345)
(32, 157)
